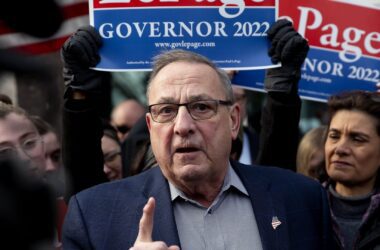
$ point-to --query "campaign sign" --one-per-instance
(232, 33)
(344, 52)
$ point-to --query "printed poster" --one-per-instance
(344, 39)
(232, 33)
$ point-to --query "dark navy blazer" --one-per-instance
(107, 216)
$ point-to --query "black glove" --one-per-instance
(79, 53)
(289, 48)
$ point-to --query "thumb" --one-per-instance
(146, 222)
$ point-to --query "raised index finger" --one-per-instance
(146, 222)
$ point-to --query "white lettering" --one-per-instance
(199, 29)
(323, 67)
(304, 17)
(169, 29)
(109, 33)
(138, 29)
(308, 64)
(119, 30)
(219, 29)
(332, 38)
(337, 69)
(155, 29)
(164, 29)
(348, 48)
(183, 26)
(372, 37)
(228, 4)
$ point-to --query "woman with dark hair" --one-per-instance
(352, 151)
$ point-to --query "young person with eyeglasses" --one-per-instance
(20, 140)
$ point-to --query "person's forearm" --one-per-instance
(279, 131)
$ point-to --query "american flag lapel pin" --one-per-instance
(275, 222)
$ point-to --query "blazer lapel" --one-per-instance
(267, 203)
(268, 209)
(164, 228)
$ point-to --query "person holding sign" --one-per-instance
(197, 198)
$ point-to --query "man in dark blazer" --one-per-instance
(107, 216)
(196, 198)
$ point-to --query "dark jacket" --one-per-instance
(368, 237)
(107, 216)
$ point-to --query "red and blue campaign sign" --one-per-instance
(232, 33)
(344, 37)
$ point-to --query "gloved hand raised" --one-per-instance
(79, 53)
(289, 48)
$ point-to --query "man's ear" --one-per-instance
(148, 120)
(235, 120)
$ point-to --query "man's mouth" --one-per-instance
(186, 150)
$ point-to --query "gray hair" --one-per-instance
(167, 57)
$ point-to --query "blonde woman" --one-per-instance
(310, 154)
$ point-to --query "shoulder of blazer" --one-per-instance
(268, 176)
(132, 186)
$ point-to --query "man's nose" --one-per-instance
(183, 123)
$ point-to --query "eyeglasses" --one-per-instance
(31, 147)
(198, 110)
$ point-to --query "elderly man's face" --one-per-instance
(188, 150)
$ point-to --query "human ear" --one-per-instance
(235, 120)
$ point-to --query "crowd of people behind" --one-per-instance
(163, 176)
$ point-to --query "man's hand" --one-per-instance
(79, 53)
(289, 48)
(144, 238)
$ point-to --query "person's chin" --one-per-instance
(191, 172)
(341, 177)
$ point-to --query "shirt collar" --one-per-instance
(231, 180)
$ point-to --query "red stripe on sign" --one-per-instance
(43, 47)
(104, 4)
